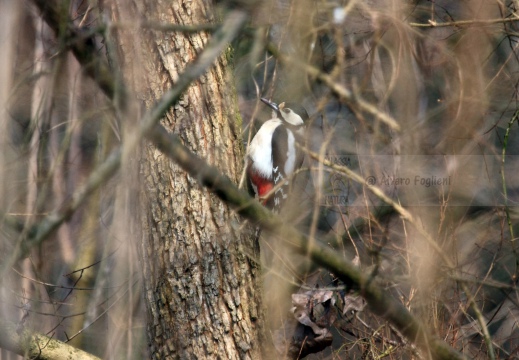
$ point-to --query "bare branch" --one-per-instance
(406, 215)
(432, 23)
(231, 27)
(38, 346)
(346, 95)
(379, 300)
(95, 66)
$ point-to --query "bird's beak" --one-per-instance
(271, 104)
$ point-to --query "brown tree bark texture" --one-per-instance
(202, 285)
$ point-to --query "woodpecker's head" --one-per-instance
(291, 113)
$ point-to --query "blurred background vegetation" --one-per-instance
(395, 89)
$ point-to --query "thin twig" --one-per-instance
(231, 27)
(379, 300)
(406, 215)
(433, 23)
(505, 193)
(349, 97)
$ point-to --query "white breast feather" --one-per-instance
(260, 150)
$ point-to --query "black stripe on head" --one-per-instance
(299, 110)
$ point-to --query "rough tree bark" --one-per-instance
(200, 274)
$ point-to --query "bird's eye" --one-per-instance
(286, 111)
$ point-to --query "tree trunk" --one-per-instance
(200, 274)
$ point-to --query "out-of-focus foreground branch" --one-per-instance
(380, 301)
(349, 97)
(37, 346)
(235, 21)
(55, 14)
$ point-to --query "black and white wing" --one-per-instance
(280, 156)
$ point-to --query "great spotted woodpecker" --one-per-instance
(273, 156)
